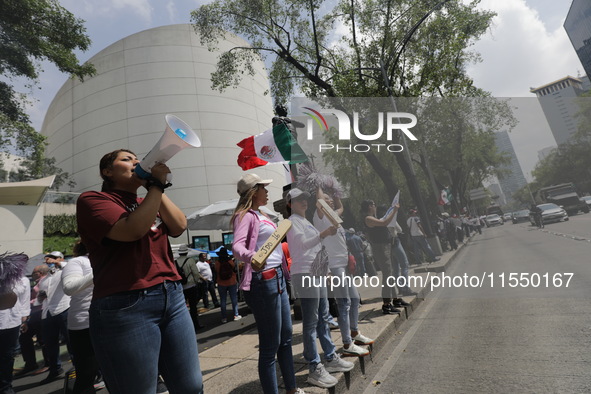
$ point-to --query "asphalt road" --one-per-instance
(500, 339)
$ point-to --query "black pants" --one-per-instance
(84, 361)
(192, 297)
(27, 345)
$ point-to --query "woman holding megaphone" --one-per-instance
(139, 323)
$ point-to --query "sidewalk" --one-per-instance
(231, 366)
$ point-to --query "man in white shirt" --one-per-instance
(54, 318)
(10, 323)
(209, 285)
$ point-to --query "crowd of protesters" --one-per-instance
(128, 310)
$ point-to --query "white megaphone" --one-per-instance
(177, 136)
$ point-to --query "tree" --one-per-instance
(32, 31)
(391, 47)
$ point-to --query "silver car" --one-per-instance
(493, 220)
(553, 213)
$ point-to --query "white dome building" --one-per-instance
(139, 80)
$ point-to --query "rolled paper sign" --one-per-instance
(259, 260)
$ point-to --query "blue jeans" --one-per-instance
(400, 261)
(314, 307)
(348, 303)
(52, 326)
(420, 243)
(224, 290)
(138, 333)
(8, 346)
(269, 303)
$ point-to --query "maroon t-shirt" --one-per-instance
(122, 266)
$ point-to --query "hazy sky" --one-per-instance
(526, 47)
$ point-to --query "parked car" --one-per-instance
(550, 213)
(587, 200)
(520, 216)
(493, 220)
(507, 217)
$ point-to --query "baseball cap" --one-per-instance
(445, 214)
(183, 249)
(295, 194)
(248, 181)
(56, 254)
(351, 230)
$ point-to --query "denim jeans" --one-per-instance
(314, 307)
(224, 290)
(8, 346)
(348, 303)
(269, 303)
(420, 243)
(52, 326)
(138, 333)
(400, 261)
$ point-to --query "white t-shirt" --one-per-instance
(205, 270)
(303, 240)
(266, 228)
(12, 317)
(413, 224)
(336, 245)
(56, 301)
(77, 282)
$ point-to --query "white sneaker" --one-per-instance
(337, 364)
(355, 350)
(362, 339)
(299, 391)
(237, 317)
(321, 378)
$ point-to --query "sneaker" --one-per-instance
(333, 325)
(237, 317)
(390, 310)
(360, 339)
(224, 320)
(321, 378)
(161, 387)
(299, 391)
(354, 350)
(100, 385)
(337, 364)
(399, 302)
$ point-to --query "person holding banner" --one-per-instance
(139, 323)
(380, 240)
(265, 289)
(305, 247)
(346, 294)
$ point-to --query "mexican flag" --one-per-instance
(275, 145)
(444, 197)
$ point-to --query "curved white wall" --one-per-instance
(140, 79)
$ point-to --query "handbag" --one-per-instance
(320, 263)
(351, 264)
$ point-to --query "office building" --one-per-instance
(558, 101)
(513, 179)
(578, 27)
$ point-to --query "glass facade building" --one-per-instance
(578, 28)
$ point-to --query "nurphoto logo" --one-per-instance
(392, 120)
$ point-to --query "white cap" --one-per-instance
(248, 181)
(56, 254)
(183, 249)
(296, 193)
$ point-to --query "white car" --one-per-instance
(493, 220)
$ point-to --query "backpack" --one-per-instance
(226, 270)
(181, 271)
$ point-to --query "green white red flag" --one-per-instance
(276, 145)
